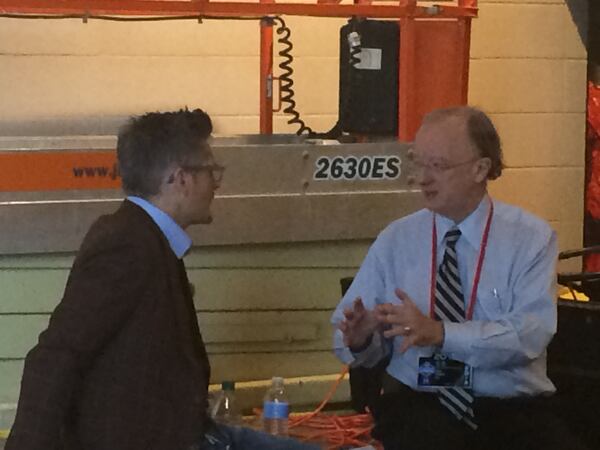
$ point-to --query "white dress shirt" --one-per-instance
(514, 317)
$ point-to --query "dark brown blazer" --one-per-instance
(122, 364)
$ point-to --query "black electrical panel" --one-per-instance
(369, 77)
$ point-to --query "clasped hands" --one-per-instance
(392, 320)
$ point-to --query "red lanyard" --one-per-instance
(482, 248)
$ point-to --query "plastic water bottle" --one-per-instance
(276, 409)
(225, 409)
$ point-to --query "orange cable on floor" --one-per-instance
(336, 431)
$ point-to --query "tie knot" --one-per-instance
(452, 236)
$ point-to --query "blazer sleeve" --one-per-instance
(104, 288)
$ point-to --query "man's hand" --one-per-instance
(408, 321)
(358, 324)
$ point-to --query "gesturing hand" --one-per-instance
(408, 321)
(358, 324)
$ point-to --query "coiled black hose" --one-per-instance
(285, 78)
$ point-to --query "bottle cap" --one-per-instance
(228, 385)
(278, 381)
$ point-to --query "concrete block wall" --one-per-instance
(527, 70)
(102, 70)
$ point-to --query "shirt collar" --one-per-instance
(179, 241)
(471, 227)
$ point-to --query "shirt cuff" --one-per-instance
(456, 338)
(371, 354)
(363, 347)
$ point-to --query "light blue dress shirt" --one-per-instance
(514, 317)
(179, 241)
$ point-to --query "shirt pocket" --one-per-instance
(492, 303)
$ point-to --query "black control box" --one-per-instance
(368, 102)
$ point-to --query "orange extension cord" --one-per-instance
(337, 431)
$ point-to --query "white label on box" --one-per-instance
(370, 59)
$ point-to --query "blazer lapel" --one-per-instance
(185, 313)
(191, 313)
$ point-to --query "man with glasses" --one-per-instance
(461, 296)
(122, 364)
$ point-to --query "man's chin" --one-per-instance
(204, 220)
(427, 203)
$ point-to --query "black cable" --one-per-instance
(287, 91)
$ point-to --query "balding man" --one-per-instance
(461, 295)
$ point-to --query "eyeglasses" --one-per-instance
(216, 170)
(439, 167)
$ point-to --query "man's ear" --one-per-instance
(173, 181)
(482, 169)
(177, 177)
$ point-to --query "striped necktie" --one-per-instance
(450, 307)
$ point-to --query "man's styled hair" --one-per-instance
(481, 130)
(149, 144)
